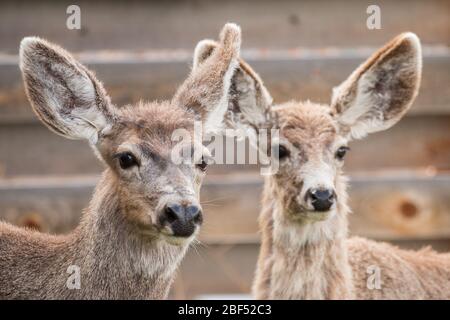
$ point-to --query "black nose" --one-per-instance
(182, 219)
(321, 199)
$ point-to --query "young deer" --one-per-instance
(305, 253)
(145, 210)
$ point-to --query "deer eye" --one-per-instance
(202, 165)
(283, 152)
(127, 160)
(341, 152)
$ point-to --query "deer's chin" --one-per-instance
(311, 216)
(167, 235)
(314, 216)
(154, 232)
(178, 241)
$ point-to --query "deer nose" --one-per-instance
(321, 199)
(183, 219)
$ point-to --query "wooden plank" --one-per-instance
(415, 142)
(400, 207)
(302, 76)
(33, 149)
(48, 205)
(391, 206)
(181, 24)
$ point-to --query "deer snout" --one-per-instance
(321, 199)
(182, 218)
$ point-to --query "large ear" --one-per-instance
(250, 106)
(380, 91)
(249, 102)
(64, 94)
(220, 81)
(205, 91)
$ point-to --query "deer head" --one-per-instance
(314, 138)
(158, 196)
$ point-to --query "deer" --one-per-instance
(305, 251)
(145, 210)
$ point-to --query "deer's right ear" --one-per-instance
(65, 95)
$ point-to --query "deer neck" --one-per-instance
(308, 260)
(114, 256)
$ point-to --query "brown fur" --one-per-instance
(122, 246)
(405, 274)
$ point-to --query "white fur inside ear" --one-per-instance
(356, 116)
(203, 49)
(93, 122)
(386, 86)
(61, 91)
(84, 120)
(253, 99)
(215, 118)
(230, 43)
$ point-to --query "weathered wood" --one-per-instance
(397, 207)
(50, 205)
(390, 206)
(415, 142)
(180, 24)
(301, 77)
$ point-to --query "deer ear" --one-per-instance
(206, 91)
(250, 105)
(245, 102)
(380, 91)
(63, 93)
(203, 50)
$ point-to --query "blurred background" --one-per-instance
(400, 182)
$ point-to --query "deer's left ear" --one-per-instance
(248, 101)
(379, 92)
(206, 91)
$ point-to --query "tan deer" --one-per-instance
(305, 252)
(145, 210)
